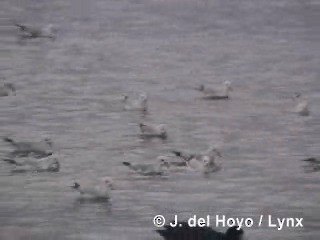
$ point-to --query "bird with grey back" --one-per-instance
(302, 108)
(302, 105)
(36, 149)
(30, 164)
(153, 131)
(29, 32)
(101, 190)
(205, 162)
(216, 94)
(149, 169)
(140, 104)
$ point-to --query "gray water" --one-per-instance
(69, 90)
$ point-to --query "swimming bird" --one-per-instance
(36, 149)
(216, 94)
(313, 164)
(302, 108)
(140, 104)
(184, 232)
(48, 31)
(29, 164)
(7, 89)
(211, 151)
(102, 190)
(149, 169)
(153, 131)
(204, 162)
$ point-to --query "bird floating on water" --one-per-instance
(204, 162)
(7, 89)
(302, 107)
(216, 94)
(140, 104)
(184, 232)
(149, 169)
(153, 131)
(26, 32)
(102, 190)
(36, 149)
(29, 164)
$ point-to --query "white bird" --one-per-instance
(140, 104)
(24, 149)
(303, 108)
(48, 31)
(153, 131)
(7, 89)
(216, 94)
(149, 169)
(29, 164)
(101, 190)
(204, 162)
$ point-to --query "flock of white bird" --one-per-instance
(39, 156)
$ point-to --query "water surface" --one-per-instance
(69, 90)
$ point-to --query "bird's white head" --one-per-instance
(108, 181)
(302, 108)
(125, 98)
(206, 160)
(162, 130)
(143, 101)
(143, 97)
(51, 29)
(54, 166)
(228, 86)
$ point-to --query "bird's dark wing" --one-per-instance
(311, 160)
(22, 27)
(222, 97)
(11, 161)
(184, 232)
(182, 155)
(312, 169)
(27, 153)
(29, 32)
